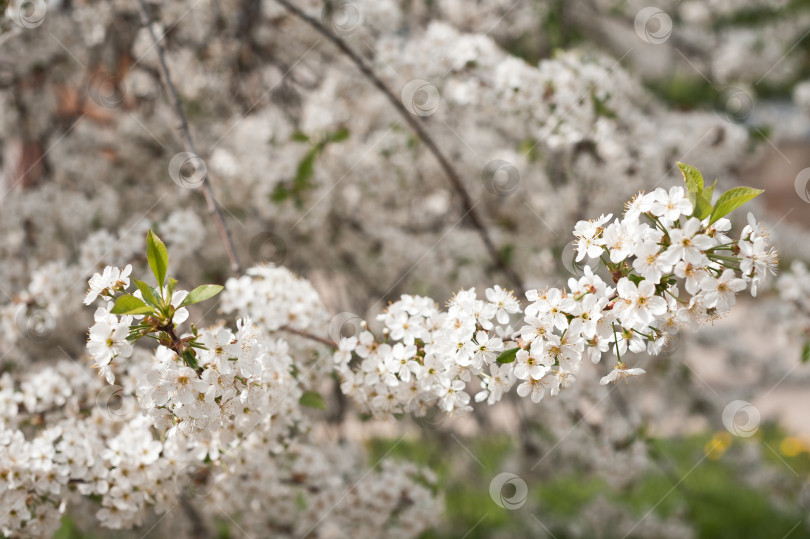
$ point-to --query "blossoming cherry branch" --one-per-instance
(672, 264)
(153, 312)
(668, 263)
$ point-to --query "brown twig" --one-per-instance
(455, 180)
(328, 342)
(188, 144)
(179, 346)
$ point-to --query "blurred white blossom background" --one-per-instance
(424, 220)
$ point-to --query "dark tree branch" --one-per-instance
(188, 145)
(452, 175)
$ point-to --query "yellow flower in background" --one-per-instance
(718, 445)
(791, 446)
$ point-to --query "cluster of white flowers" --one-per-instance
(273, 298)
(427, 356)
(31, 483)
(246, 380)
(130, 471)
(100, 445)
(172, 435)
(295, 491)
(41, 450)
(241, 379)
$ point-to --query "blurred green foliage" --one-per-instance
(705, 485)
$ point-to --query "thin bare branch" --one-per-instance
(188, 144)
(328, 342)
(455, 180)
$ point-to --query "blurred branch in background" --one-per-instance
(188, 144)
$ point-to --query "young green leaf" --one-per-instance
(709, 191)
(299, 136)
(306, 167)
(190, 359)
(731, 200)
(635, 279)
(703, 206)
(703, 202)
(692, 177)
(507, 356)
(806, 352)
(312, 399)
(149, 294)
(201, 293)
(158, 257)
(129, 304)
(339, 135)
(170, 288)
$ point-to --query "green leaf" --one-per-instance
(129, 304)
(731, 200)
(806, 351)
(703, 202)
(279, 194)
(507, 356)
(312, 399)
(305, 170)
(149, 294)
(191, 359)
(703, 206)
(300, 136)
(339, 135)
(600, 107)
(692, 177)
(170, 288)
(158, 257)
(201, 293)
(635, 279)
(709, 191)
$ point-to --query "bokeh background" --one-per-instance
(548, 111)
